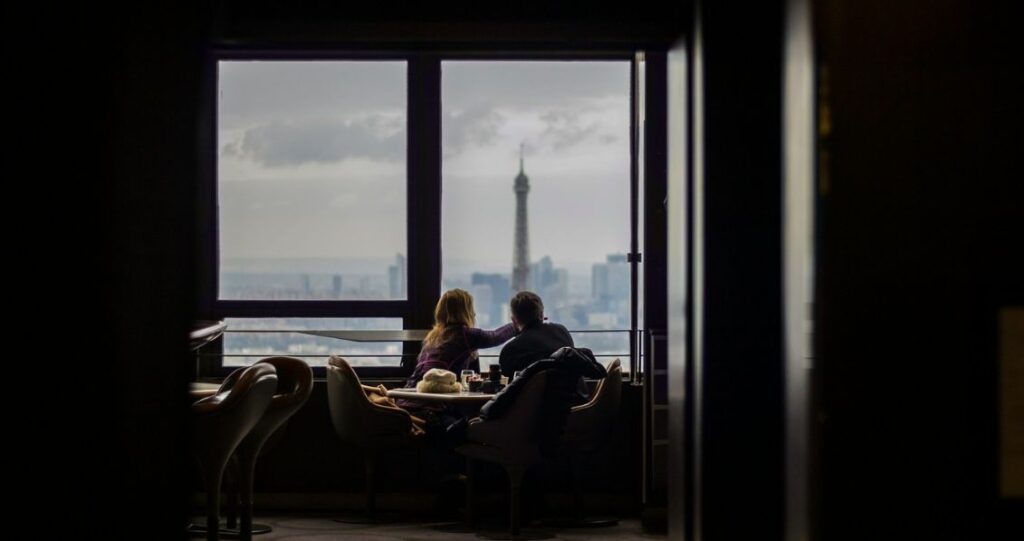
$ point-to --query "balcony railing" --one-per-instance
(315, 347)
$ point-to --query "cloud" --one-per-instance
(479, 124)
(532, 84)
(565, 128)
(377, 137)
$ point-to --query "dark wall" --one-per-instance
(109, 106)
(741, 364)
(920, 244)
(460, 24)
(148, 203)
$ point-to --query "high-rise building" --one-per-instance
(396, 278)
(610, 284)
(521, 250)
(550, 283)
(491, 293)
(336, 286)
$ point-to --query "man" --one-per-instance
(535, 339)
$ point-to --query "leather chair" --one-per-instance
(372, 428)
(511, 441)
(222, 421)
(588, 430)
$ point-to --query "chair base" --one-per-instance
(524, 535)
(196, 530)
(589, 522)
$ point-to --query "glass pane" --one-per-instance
(311, 180)
(536, 173)
(248, 340)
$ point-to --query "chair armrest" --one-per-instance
(231, 380)
(200, 394)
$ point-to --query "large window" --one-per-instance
(349, 193)
(311, 169)
(536, 159)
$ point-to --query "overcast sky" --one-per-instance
(312, 159)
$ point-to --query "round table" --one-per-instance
(467, 401)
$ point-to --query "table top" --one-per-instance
(464, 396)
(199, 390)
(408, 335)
(204, 332)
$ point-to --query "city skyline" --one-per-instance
(594, 305)
(380, 271)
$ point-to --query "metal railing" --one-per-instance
(633, 362)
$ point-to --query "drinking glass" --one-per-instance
(466, 376)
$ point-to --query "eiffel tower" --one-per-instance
(521, 250)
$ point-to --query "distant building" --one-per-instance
(491, 293)
(396, 278)
(610, 285)
(550, 283)
(336, 286)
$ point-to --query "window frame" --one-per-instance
(423, 197)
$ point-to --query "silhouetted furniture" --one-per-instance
(588, 430)
(371, 427)
(204, 332)
(222, 421)
(294, 386)
(511, 441)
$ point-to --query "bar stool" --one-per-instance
(294, 386)
(222, 421)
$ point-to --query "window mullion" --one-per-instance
(424, 189)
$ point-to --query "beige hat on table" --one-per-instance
(438, 380)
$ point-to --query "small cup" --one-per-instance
(474, 385)
(466, 376)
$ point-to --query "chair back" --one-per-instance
(294, 386)
(523, 419)
(224, 419)
(356, 419)
(592, 423)
(519, 430)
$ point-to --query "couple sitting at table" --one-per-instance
(453, 342)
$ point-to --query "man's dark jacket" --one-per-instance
(565, 368)
(537, 341)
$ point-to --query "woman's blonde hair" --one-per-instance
(455, 307)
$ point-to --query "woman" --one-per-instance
(453, 342)
(451, 345)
